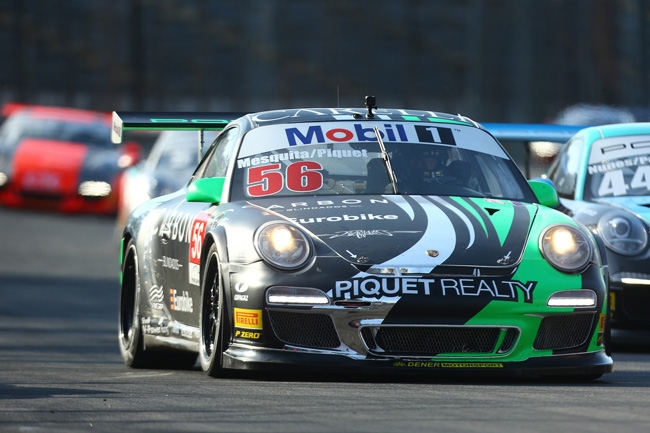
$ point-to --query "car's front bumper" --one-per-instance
(577, 365)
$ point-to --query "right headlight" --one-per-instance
(283, 245)
(623, 233)
(565, 247)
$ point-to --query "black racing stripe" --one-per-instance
(492, 237)
(518, 231)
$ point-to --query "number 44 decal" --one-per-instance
(303, 176)
(613, 182)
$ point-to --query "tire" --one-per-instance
(130, 334)
(132, 347)
(212, 327)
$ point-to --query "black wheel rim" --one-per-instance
(211, 305)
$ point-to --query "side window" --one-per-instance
(564, 172)
(216, 164)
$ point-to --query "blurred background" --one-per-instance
(492, 60)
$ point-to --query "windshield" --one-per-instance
(618, 166)
(344, 158)
(23, 126)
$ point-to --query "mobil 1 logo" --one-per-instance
(435, 134)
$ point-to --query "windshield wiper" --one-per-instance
(386, 159)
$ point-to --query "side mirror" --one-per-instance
(206, 190)
(545, 193)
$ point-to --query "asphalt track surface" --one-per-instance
(61, 371)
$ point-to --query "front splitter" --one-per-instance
(587, 365)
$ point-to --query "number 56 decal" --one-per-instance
(301, 176)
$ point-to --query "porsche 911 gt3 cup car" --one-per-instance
(379, 239)
(603, 178)
(61, 159)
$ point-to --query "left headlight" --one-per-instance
(565, 247)
(623, 233)
(283, 245)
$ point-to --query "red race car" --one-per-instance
(61, 159)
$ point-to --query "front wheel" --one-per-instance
(212, 329)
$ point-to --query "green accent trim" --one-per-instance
(162, 128)
(456, 122)
(121, 259)
(206, 190)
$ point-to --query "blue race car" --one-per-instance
(602, 176)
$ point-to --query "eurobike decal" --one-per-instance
(490, 288)
(248, 319)
(345, 217)
(182, 302)
(435, 364)
(196, 244)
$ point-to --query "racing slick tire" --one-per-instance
(212, 327)
(132, 347)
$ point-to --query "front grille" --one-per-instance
(433, 340)
(563, 331)
(315, 331)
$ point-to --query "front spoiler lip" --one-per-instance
(584, 364)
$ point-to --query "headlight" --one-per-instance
(283, 245)
(565, 247)
(623, 233)
(3, 178)
(91, 188)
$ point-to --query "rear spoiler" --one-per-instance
(166, 120)
(532, 132)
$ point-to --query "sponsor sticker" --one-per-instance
(197, 235)
(248, 319)
(505, 290)
(436, 364)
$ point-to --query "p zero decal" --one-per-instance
(197, 235)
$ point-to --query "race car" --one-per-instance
(361, 239)
(61, 159)
(602, 176)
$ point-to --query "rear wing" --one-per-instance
(528, 132)
(166, 120)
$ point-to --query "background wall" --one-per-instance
(493, 60)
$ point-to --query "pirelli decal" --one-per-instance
(248, 319)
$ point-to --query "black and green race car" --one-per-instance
(364, 239)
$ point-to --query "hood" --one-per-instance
(640, 205)
(414, 231)
(48, 166)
